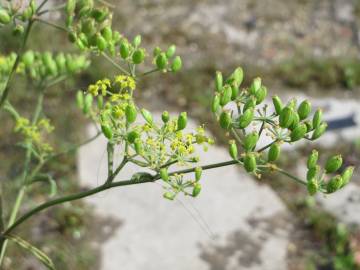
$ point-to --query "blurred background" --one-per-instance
(304, 48)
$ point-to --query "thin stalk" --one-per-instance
(110, 157)
(55, 8)
(298, 180)
(148, 72)
(51, 24)
(115, 64)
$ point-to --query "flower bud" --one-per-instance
(169, 196)
(255, 86)
(298, 132)
(312, 186)
(347, 174)
(215, 105)
(317, 118)
(131, 113)
(182, 121)
(124, 49)
(246, 118)
(161, 61)
(196, 189)
(225, 120)
(277, 104)
(218, 81)
(312, 172)
(334, 184)
(80, 99)
(132, 136)
(286, 117)
(250, 141)
(165, 116)
(225, 95)
(147, 116)
(176, 64)
(106, 32)
(171, 51)
(138, 56)
(261, 94)
(304, 109)
(274, 152)
(139, 148)
(137, 41)
(312, 159)
(164, 174)
(4, 16)
(233, 151)
(320, 130)
(101, 43)
(198, 173)
(333, 164)
(250, 162)
(106, 130)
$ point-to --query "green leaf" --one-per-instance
(32, 249)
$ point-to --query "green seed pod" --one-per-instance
(61, 62)
(106, 130)
(88, 27)
(101, 43)
(233, 150)
(304, 109)
(132, 136)
(161, 61)
(147, 116)
(176, 64)
(317, 118)
(165, 116)
(18, 30)
(238, 76)
(298, 132)
(261, 94)
(80, 99)
(28, 58)
(309, 126)
(72, 37)
(234, 91)
(215, 105)
(320, 130)
(171, 51)
(182, 121)
(274, 152)
(286, 117)
(27, 14)
(250, 162)
(225, 95)
(218, 81)
(70, 7)
(312, 172)
(333, 164)
(139, 148)
(131, 113)
(250, 141)
(255, 86)
(137, 41)
(225, 120)
(138, 56)
(100, 14)
(312, 186)
(164, 174)
(246, 118)
(87, 103)
(4, 16)
(124, 49)
(251, 103)
(196, 189)
(346, 175)
(106, 32)
(156, 51)
(312, 159)
(198, 173)
(292, 104)
(116, 37)
(169, 196)
(334, 184)
(295, 122)
(277, 104)
(100, 102)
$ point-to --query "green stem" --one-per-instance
(56, 8)
(298, 180)
(51, 24)
(115, 64)
(110, 157)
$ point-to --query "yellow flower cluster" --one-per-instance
(100, 86)
(125, 82)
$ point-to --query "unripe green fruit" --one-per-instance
(106, 32)
(234, 91)
(156, 51)
(233, 150)
(274, 152)
(334, 184)
(198, 173)
(238, 76)
(18, 30)
(165, 116)
(139, 148)
(312, 186)
(312, 172)
(295, 122)
(147, 116)
(298, 132)
(116, 37)
(309, 125)
(4, 16)
(215, 105)
(196, 189)
(320, 130)
(182, 121)
(88, 27)
(124, 49)
(255, 86)
(87, 103)
(101, 43)
(218, 81)
(70, 7)
(312, 159)
(347, 174)
(164, 174)
(106, 130)
(246, 118)
(161, 61)
(250, 141)
(286, 117)
(317, 118)
(250, 162)
(251, 103)
(261, 94)
(278, 105)
(171, 51)
(176, 64)
(28, 58)
(80, 99)
(292, 104)
(333, 164)
(169, 196)
(304, 109)
(137, 41)
(61, 62)
(72, 37)
(225, 95)
(131, 113)
(138, 56)
(100, 102)
(225, 120)
(99, 14)
(132, 136)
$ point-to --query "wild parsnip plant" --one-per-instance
(110, 104)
